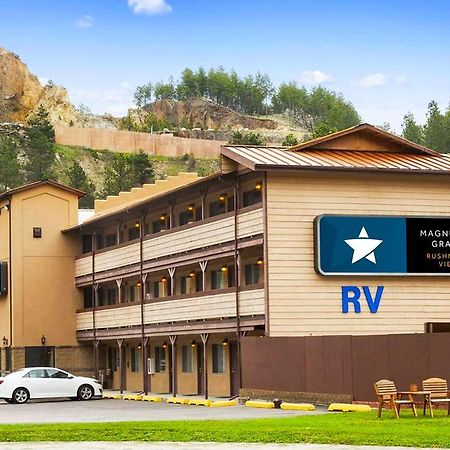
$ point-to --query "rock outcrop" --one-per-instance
(21, 94)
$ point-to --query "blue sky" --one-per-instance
(387, 57)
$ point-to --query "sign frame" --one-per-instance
(317, 248)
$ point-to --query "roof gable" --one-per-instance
(364, 138)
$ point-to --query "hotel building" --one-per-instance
(303, 272)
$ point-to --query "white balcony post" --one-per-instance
(171, 271)
(203, 265)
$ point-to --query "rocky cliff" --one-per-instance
(21, 93)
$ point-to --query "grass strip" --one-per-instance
(346, 428)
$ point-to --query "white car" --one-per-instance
(46, 382)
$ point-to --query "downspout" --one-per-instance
(10, 274)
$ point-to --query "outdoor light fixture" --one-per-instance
(224, 268)
(258, 186)
(225, 342)
(191, 207)
(222, 197)
(5, 341)
(138, 284)
(43, 339)
(192, 274)
(137, 225)
(163, 217)
(139, 346)
(193, 344)
(163, 279)
(164, 346)
(260, 261)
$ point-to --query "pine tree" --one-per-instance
(436, 129)
(10, 170)
(411, 130)
(79, 180)
(142, 168)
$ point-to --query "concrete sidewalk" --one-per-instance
(185, 446)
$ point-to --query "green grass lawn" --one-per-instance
(345, 428)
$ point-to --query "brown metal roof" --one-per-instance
(264, 158)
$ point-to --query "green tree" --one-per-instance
(242, 137)
(143, 95)
(165, 91)
(79, 180)
(142, 168)
(436, 129)
(39, 150)
(118, 176)
(411, 130)
(127, 123)
(289, 140)
(323, 129)
(10, 170)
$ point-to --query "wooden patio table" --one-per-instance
(411, 394)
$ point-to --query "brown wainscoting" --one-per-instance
(343, 365)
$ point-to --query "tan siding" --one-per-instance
(204, 235)
(207, 307)
(302, 302)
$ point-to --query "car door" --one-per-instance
(61, 383)
(37, 383)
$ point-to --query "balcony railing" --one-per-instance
(189, 237)
(210, 306)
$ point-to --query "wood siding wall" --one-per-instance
(196, 237)
(206, 307)
(301, 302)
(342, 365)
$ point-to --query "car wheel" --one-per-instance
(20, 395)
(85, 392)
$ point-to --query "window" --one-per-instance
(217, 279)
(156, 289)
(36, 373)
(54, 373)
(100, 296)
(37, 232)
(252, 274)
(186, 217)
(217, 207)
(134, 359)
(218, 358)
(157, 226)
(110, 240)
(98, 241)
(187, 354)
(132, 293)
(252, 197)
(133, 233)
(160, 359)
(112, 358)
(87, 294)
(86, 243)
(188, 284)
(111, 296)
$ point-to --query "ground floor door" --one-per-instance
(200, 371)
(234, 371)
(42, 356)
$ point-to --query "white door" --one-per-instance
(37, 383)
(62, 384)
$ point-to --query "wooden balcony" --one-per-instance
(194, 236)
(210, 306)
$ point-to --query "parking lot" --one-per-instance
(127, 410)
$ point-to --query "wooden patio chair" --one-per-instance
(439, 393)
(387, 393)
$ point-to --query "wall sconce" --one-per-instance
(139, 346)
(260, 261)
(163, 217)
(43, 339)
(224, 268)
(193, 344)
(164, 345)
(191, 207)
(163, 279)
(5, 341)
(258, 186)
(137, 225)
(138, 284)
(192, 274)
(225, 342)
(222, 197)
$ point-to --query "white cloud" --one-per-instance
(85, 22)
(150, 7)
(401, 80)
(373, 80)
(315, 77)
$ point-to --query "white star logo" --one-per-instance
(363, 247)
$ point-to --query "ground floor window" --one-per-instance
(134, 359)
(218, 358)
(160, 359)
(187, 352)
(112, 358)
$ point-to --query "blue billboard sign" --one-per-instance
(382, 245)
